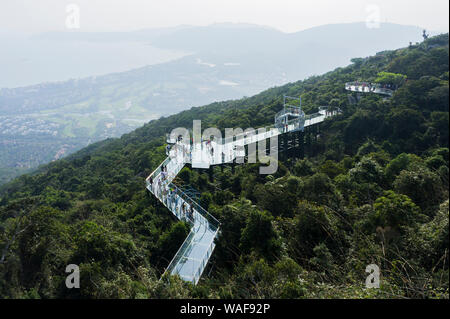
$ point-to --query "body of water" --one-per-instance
(27, 61)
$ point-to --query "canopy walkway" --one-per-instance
(193, 255)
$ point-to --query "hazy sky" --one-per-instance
(287, 15)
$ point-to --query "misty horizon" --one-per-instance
(57, 56)
(288, 16)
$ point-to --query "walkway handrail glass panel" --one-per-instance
(206, 257)
(179, 255)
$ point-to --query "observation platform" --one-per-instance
(365, 87)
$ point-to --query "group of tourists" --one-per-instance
(155, 185)
(180, 207)
(168, 195)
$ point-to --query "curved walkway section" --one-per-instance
(192, 257)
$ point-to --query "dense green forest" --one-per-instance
(371, 189)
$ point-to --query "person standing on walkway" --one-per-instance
(191, 214)
(150, 181)
(183, 211)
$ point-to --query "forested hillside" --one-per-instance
(372, 189)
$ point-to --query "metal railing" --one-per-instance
(290, 110)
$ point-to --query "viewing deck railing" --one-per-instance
(290, 110)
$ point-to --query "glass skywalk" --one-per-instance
(193, 255)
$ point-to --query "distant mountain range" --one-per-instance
(43, 122)
(56, 56)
